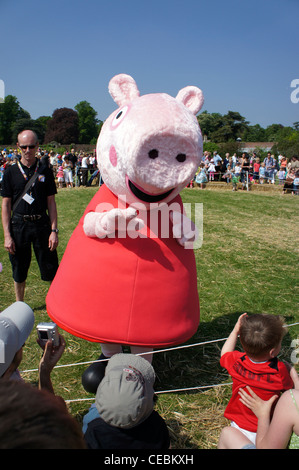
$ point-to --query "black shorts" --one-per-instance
(36, 234)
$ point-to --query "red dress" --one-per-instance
(140, 291)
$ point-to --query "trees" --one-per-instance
(209, 123)
(14, 119)
(88, 123)
(287, 141)
(10, 112)
(80, 125)
(232, 127)
(226, 128)
(63, 127)
(69, 126)
(255, 134)
(27, 123)
(43, 122)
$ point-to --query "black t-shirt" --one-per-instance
(14, 182)
(150, 434)
(73, 159)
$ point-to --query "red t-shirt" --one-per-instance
(265, 379)
(256, 167)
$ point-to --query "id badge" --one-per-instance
(29, 199)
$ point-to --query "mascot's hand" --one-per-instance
(108, 223)
(183, 229)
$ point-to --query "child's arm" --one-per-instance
(231, 341)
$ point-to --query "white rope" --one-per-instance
(152, 352)
(139, 354)
(160, 391)
(144, 353)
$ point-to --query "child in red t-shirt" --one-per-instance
(258, 366)
(256, 169)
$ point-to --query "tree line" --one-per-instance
(81, 126)
(66, 126)
(233, 127)
(225, 133)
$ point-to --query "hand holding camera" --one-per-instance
(53, 345)
(46, 332)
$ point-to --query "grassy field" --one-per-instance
(248, 263)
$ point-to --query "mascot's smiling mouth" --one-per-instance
(144, 196)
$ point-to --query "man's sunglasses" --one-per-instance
(24, 147)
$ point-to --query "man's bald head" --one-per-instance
(28, 134)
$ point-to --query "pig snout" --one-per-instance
(165, 162)
(154, 153)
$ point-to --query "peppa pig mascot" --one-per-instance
(128, 274)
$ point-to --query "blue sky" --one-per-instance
(242, 54)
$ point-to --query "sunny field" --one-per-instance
(248, 262)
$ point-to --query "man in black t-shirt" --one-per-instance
(73, 158)
(34, 220)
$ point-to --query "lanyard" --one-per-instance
(23, 172)
(26, 177)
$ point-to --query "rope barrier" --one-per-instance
(221, 176)
(153, 352)
(139, 354)
(161, 391)
(177, 389)
(184, 346)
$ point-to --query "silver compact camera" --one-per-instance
(48, 331)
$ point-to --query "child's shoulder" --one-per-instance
(230, 357)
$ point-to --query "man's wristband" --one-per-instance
(55, 230)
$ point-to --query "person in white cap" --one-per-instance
(123, 416)
(16, 324)
(31, 417)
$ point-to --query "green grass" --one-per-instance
(248, 263)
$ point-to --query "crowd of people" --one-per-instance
(80, 168)
(122, 415)
(69, 168)
(249, 169)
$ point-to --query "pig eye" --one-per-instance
(119, 116)
(181, 157)
(153, 154)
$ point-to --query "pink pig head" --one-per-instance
(150, 148)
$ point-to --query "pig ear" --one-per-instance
(192, 98)
(123, 89)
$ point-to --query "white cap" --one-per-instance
(16, 323)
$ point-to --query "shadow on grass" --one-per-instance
(40, 308)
